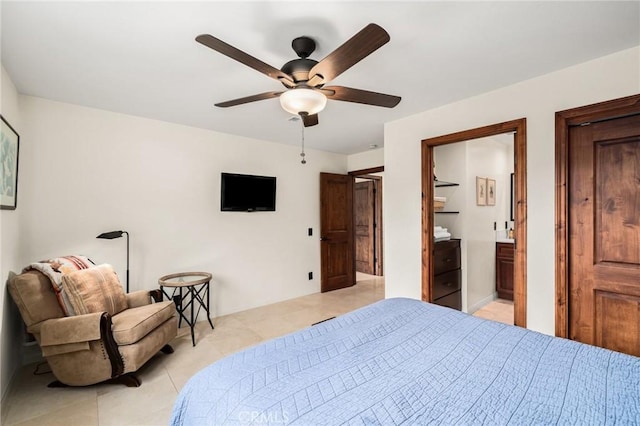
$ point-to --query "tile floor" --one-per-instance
(499, 310)
(30, 402)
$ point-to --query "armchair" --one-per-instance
(92, 347)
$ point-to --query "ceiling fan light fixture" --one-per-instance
(303, 100)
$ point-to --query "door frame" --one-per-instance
(518, 126)
(364, 173)
(584, 115)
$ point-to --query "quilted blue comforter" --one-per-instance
(405, 361)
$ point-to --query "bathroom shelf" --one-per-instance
(442, 183)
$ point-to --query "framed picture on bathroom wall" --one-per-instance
(9, 144)
(491, 192)
(481, 191)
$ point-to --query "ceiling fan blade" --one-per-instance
(348, 94)
(310, 120)
(247, 99)
(244, 58)
(358, 47)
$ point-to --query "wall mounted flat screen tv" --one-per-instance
(247, 193)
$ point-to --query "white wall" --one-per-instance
(485, 158)
(538, 99)
(85, 171)
(9, 246)
(366, 160)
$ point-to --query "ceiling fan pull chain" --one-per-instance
(302, 154)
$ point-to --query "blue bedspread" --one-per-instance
(405, 361)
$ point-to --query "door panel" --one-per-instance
(336, 231)
(504, 272)
(617, 320)
(616, 165)
(604, 234)
(364, 207)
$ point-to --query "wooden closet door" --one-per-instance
(604, 234)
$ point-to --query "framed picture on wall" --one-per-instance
(491, 192)
(481, 191)
(9, 144)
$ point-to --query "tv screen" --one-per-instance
(247, 193)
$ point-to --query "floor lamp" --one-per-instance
(117, 234)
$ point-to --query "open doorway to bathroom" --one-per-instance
(482, 226)
(473, 179)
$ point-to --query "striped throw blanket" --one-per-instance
(54, 269)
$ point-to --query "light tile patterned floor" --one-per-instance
(30, 402)
(499, 310)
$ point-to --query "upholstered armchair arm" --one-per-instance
(71, 334)
(138, 298)
(143, 297)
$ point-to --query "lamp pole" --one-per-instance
(125, 232)
(117, 234)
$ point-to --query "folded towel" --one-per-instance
(443, 199)
(441, 234)
(441, 239)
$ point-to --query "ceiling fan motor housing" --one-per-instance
(299, 68)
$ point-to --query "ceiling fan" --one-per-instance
(304, 78)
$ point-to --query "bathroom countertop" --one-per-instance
(505, 240)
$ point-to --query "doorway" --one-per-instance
(338, 230)
(597, 237)
(368, 221)
(367, 224)
(518, 128)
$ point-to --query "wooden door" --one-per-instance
(364, 218)
(337, 266)
(604, 234)
(378, 226)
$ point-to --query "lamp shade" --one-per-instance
(111, 235)
(303, 100)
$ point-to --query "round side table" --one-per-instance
(189, 288)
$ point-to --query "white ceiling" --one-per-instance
(140, 58)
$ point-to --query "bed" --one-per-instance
(402, 361)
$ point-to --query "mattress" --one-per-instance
(402, 361)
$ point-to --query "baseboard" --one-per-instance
(4, 408)
(31, 353)
(482, 303)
